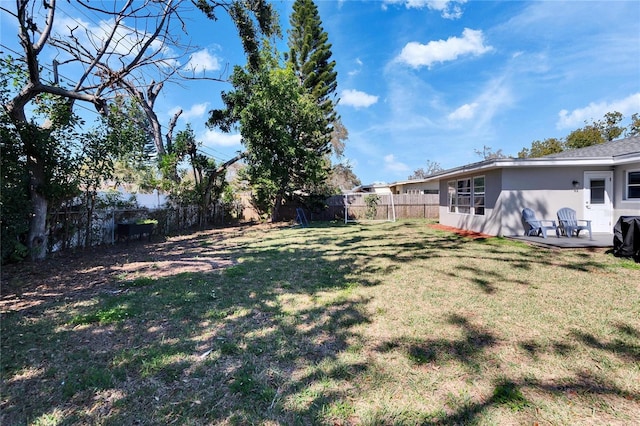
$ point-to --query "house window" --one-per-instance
(451, 185)
(463, 198)
(466, 196)
(597, 191)
(478, 195)
(633, 185)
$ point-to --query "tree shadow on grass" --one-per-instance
(535, 349)
(469, 350)
(628, 330)
(239, 344)
(260, 339)
(508, 393)
(619, 347)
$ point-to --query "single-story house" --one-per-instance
(374, 188)
(600, 182)
(415, 186)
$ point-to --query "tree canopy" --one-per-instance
(282, 130)
(422, 173)
(137, 50)
(310, 56)
(597, 132)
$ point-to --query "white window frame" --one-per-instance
(628, 185)
(451, 193)
(464, 194)
(479, 207)
(455, 196)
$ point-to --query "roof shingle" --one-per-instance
(614, 148)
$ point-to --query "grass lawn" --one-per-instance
(385, 324)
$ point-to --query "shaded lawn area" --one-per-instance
(395, 323)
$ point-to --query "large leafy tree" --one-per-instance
(282, 128)
(251, 18)
(634, 127)
(609, 126)
(541, 148)
(132, 53)
(585, 136)
(104, 60)
(203, 184)
(422, 173)
(129, 129)
(597, 132)
(342, 178)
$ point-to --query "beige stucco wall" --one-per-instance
(489, 223)
(624, 207)
(543, 189)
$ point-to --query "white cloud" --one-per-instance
(357, 99)
(358, 68)
(449, 9)
(196, 111)
(596, 111)
(393, 165)
(417, 55)
(202, 61)
(465, 112)
(495, 98)
(213, 138)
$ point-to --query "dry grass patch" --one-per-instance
(396, 323)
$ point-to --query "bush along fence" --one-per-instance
(75, 229)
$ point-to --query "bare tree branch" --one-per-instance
(172, 125)
(101, 52)
(47, 29)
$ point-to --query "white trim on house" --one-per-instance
(535, 162)
(544, 184)
(598, 199)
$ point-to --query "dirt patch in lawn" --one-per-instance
(73, 273)
(462, 232)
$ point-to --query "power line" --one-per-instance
(209, 155)
(212, 151)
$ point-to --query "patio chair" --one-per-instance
(534, 226)
(569, 224)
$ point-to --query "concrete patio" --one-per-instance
(599, 241)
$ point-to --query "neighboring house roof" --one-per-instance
(615, 152)
(374, 187)
(608, 149)
(612, 153)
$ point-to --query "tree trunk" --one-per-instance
(91, 202)
(38, 238)
(275, 214)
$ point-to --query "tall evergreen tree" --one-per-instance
(310, 55)
(282, 130)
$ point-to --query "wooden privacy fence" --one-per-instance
(417, 206)
(407, 206)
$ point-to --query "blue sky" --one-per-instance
(434, 81)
